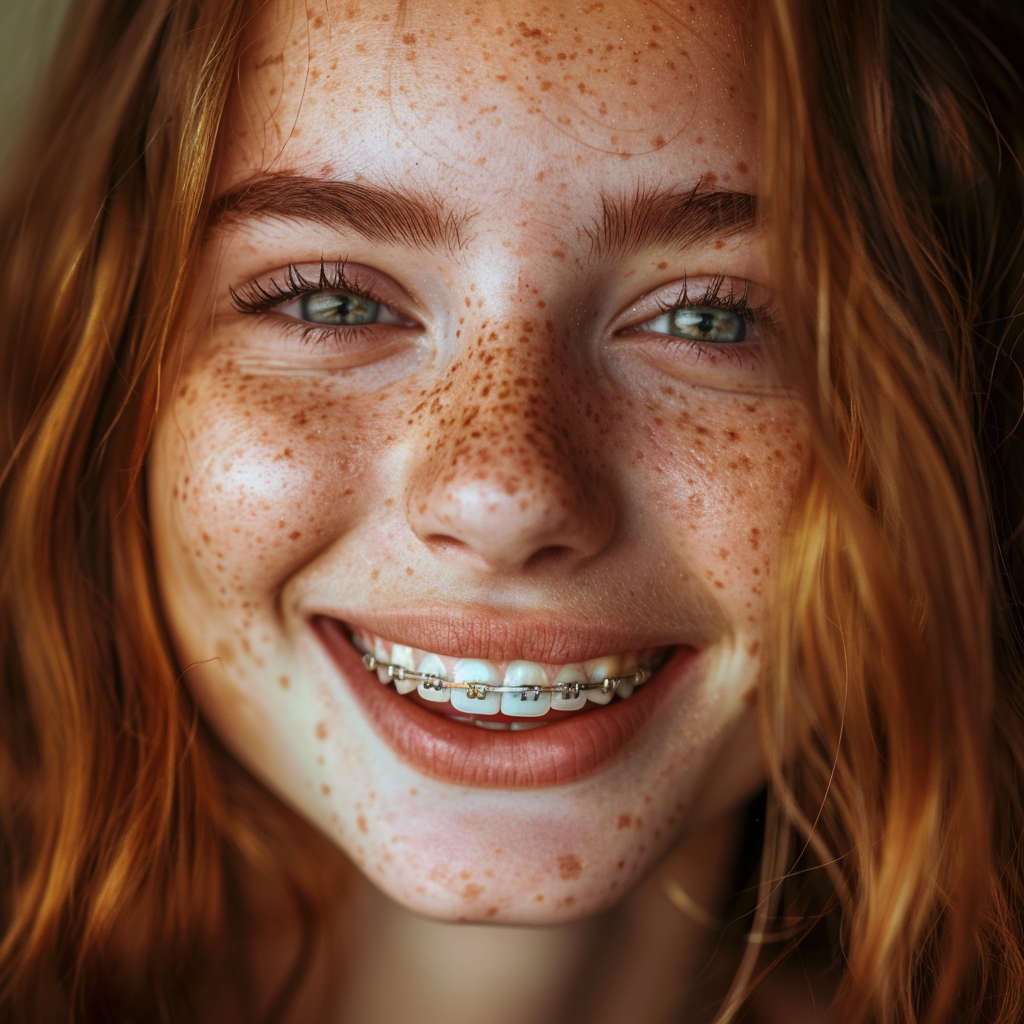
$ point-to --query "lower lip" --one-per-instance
(461, 753)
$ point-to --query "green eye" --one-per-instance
(338, 309)
(703, 323)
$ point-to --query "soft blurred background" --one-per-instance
(28, 30)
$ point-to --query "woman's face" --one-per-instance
(476, 375)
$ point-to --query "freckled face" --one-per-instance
(499, 389)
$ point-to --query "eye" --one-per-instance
(700, 323)
(339, 308)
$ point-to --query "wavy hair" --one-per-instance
(892, 702)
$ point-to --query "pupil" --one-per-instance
(339, 308)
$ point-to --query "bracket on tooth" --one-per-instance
(480, 690)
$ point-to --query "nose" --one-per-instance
(505, 475)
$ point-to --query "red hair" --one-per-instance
(891, 704)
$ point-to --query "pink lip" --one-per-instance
(464, 755)
(531, 638)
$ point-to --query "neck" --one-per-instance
(633, 962)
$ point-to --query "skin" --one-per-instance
(518, 447)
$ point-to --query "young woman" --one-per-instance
(488, 445)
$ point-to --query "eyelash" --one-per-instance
(258, 298)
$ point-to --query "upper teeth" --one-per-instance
(524, 690)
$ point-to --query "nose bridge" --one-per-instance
(506, 428)
(501, 475)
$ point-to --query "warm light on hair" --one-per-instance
(891, 702)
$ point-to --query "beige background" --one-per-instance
(27, 31)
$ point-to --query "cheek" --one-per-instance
(721, 474)
(259, 473)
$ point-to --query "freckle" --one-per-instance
(284, 682)
(558, 254)
(294, 535)
(569, 866)
(375, 574)
(321, 730)
(719, 244)
(471, 892)
(361, 823)
(325, 789)
(491, 911)
(569, 901)
(625, 820)
(409, 571)
(741, 167)
(539, 898)
(413, 792)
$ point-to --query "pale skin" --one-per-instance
(515, 437)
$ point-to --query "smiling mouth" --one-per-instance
(425, 713)
(510, 696)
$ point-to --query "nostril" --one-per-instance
(442, 543)
(549, 557)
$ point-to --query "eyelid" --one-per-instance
(268, 292)
(714, 291)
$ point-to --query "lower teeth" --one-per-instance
(501, 726)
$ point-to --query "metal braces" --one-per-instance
(479, 691)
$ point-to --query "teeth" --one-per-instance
(533, 690)
(380, 652)
(472, 670)
(525, 704)
(402, 655)
(627, 667)
(570, 674)
(432, 665)
(509, 726)
(602, 668)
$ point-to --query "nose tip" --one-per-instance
(505, 474)
(507, 523)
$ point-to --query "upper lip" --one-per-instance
(546, 638)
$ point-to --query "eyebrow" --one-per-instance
(648, 217)
(387, 215)
(676, 218)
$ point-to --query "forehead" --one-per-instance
(489, 93)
